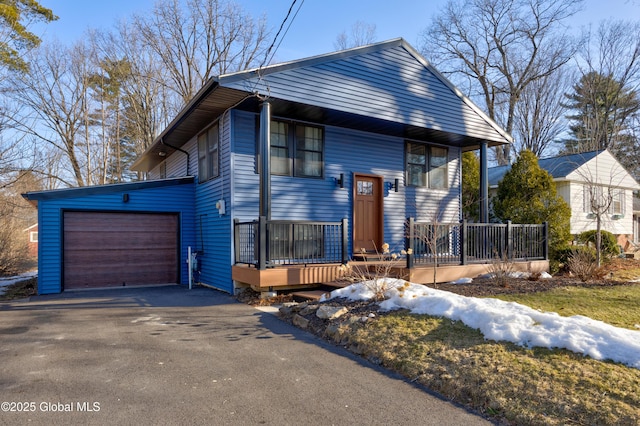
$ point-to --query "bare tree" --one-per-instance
(53, 98)
(497, 48)
(16, 214)
(206, 37)
(361, 34)
(146, 100)
(605, 102)
(539, 116)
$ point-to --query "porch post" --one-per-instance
(545, 244)
(484, 184)
(508, 241)
(409, 243)
(262, 243)
(265, 159)
(345, 241)
(463, 242)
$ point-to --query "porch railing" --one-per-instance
(464, 243)
(266, 243)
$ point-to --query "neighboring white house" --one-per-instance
(587, 179)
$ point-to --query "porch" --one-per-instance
(273, 255)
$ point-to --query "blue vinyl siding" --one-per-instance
(166, 199)
(214, 232)
(389, 84)
(348, 152)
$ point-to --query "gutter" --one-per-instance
(162, 142)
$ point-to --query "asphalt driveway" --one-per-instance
(169, 355)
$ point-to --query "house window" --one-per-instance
(617, 202)
(426, 165)
(595, 199)
(208, 154)
(296, 149)
(280, 162)
(33, 236)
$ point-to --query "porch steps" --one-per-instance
(313, 295)
(323, 288)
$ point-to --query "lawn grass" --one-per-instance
(512, 384)
(616, 305)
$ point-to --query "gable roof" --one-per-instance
(387, 88)
(575, 167)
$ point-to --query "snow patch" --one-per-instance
(7, 281)
(509, 321)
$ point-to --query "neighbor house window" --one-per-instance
(597, 197)
(33, 236)
(296, 149)
(617, 202)
(208, 154)
(426, 165)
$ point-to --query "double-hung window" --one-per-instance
(208, 154)
(426, 165)
(296, 149)
(617, 202)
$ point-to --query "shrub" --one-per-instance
(582, 263)
(608, 242)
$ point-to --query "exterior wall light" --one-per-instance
(395, 185)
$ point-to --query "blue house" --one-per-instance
(275, 177)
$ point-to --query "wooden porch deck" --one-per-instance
(308, 277)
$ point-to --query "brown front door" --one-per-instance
(367, 213)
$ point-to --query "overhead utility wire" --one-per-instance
(267, 59)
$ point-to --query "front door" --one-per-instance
(367, 213)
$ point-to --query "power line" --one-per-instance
(275, 39)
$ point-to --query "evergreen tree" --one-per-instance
(602, 108)
(14, 35)
(470, 187)
(527, 194)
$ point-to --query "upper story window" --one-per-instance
(33, 236)
(208, 154)
(426, 165)
(296, 149)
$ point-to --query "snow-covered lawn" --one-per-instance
(508, 321)
(7, 281)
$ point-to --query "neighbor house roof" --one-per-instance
(574, 167)
(387, 88)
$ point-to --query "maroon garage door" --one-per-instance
(119, 249)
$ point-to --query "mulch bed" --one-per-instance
(486, 287)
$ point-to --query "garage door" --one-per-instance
(119, 249)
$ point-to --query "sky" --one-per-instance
(509, 321)
(317, 24)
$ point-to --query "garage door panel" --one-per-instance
(148, 256)
(104, 249)
(120, 240)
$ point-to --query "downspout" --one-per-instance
(178, 149)
(484, 184)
